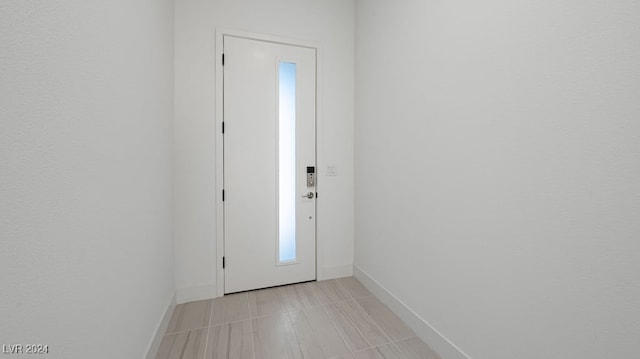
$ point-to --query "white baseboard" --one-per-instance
(335, 272)
(193, 293)
(438, 342)
(209, 291)
(154, 345)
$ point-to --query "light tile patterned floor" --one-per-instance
(337, 318)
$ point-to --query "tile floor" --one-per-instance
(337, 318)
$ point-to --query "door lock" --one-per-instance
(309, 195)
(311, 176)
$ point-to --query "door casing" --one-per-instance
(220, 33)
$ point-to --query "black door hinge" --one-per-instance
(222, 195)
(222, 59)
(223, 127)
(223, 263)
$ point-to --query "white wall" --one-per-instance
(86, 123)
(330, 23)
(498, 171)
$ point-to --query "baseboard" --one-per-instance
(438, 342)
(335, 272)
(208, 291)
(193, 293)
(154, 345)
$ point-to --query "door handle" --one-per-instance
(308, 195)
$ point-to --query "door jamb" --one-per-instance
(219, 148)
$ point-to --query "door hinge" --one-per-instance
(222, 195)
(223, 262)
(316, 194)
(222, 59)
(222, 127)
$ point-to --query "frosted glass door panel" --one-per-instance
(287, 162)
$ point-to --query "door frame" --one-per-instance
(219, 145)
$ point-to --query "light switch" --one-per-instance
(332, 171)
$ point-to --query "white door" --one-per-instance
(269, 164)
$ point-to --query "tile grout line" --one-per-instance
(213, 325)
(295, 332)
(206, 344)
(206, 340)
(304, 313)
(315, 296)
(183, 331)
(373, 321)
(356, 328)
(405, 338)
(339, 287)
(402, 354)
(218, 325)
(351, 295)
(351, 351)
(335, 326)
(324, 306)
(298, 309)
(368, 316)
(390, 341)
(351, 321)
(253, 343)
(344, 288)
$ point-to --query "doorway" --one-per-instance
(269, 163)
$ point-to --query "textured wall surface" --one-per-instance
(498, 171)
(86, 131)
(329, 23)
